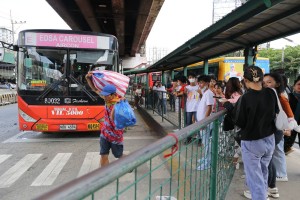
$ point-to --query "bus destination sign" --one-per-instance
(66, 40)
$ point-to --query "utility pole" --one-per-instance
(12, 26)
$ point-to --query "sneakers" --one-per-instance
(273, 192)
(247, 194)
(282, 179)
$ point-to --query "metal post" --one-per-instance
(214, 160)
(185, 71)
(172, 74)
(206, 67)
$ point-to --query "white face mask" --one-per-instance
(191, 80)
(178, 83)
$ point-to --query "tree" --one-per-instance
(290, 63)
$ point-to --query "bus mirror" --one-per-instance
(15, 48)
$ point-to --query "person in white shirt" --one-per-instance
(162, 98)
(204, 110)
(192, 101)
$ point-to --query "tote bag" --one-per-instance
(281, 120)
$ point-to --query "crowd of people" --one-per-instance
(252, 107)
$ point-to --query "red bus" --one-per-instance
(53, 95)
(141, 78)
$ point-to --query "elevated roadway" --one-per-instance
(130, 21)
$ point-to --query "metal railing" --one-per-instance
(202, 169)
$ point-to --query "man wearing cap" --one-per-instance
(110, 137)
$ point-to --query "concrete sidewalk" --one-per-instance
(287, 190)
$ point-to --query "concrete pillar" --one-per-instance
(205, 67)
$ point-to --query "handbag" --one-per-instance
(105, 77)
(281, 120)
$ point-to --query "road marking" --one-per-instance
(4, 157)
(50, 173)
(90, 163)
(15, 172)
(20, 137)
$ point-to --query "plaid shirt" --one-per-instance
(108, 130)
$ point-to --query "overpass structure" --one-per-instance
(129, 20)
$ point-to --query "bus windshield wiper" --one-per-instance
(83, 88)
(50, 88)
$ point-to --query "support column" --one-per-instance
(135, 78)
(206, 66)
(147, 80)
(172, 74)
(250, 56)
(163, 77)
(185, 71)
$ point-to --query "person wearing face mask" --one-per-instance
(192, 100)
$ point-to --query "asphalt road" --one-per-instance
(32, 163)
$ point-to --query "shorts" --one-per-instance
(105, 146)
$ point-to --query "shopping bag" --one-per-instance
(123, 115)
(105, 77)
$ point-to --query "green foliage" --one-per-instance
(289, 64)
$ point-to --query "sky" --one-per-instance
(177, 21)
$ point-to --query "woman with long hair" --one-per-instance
(233, 90)
(254, 113)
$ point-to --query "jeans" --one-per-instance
(279, 160)
(189, 121)
(257, 155)
(189, 117)
(272, 174)
(162, 103)
(206, 141)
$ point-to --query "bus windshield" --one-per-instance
(41, 67)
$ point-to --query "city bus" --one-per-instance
(53, 95)
(141, 78)
(224, 67)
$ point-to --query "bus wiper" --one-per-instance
(83, 88)
(50, 88)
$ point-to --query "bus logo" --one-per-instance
(67, 100)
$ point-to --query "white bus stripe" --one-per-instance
(90, 163)
(15, 172)
(4, 157)
(50, 173)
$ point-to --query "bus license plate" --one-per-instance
(67, 127)
(93, 126)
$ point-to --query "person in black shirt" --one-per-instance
(254, 114)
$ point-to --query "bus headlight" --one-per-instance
(26, 117)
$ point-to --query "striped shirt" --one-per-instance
(108, 130)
